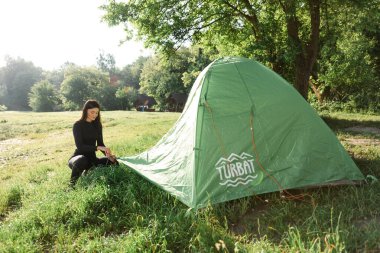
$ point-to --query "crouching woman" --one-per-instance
(88, 136)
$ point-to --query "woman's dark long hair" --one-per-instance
(90, 104)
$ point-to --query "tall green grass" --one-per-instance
(112, 209)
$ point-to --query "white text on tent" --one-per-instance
(236, 169)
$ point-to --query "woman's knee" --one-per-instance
(79, 162)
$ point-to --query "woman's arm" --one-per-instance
(106, 151)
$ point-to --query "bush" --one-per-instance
(43, 97)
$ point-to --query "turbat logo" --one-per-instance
(236, 170)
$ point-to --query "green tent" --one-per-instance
(244, 130)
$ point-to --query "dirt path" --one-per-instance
(363, 141)
(359, 129)
(7, 145)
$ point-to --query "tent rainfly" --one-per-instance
(244, 131)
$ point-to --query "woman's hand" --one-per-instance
(105, 150)
(112, 158)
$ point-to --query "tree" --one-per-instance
(126, 96)
(43, 97)
(16, 80)
(81, 84)
(55, 77)
(75, 90)
(348, 65)
(197, 61)
(107, 97)
(106, 63)
(163, 76)
(279, 31)
(130, 74)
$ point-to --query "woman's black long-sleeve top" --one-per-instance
(87, 136)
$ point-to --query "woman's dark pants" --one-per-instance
(78, 164)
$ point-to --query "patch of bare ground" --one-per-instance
(363, 141)
(360, 129)
(248, 223)
(9, 144)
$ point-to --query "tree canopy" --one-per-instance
(272, 28)
(16, 80)
(43, 97)
(299, 39)
(81, 84)
(160, 77)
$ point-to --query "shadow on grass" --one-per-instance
(341, 124)
(369, 166)
(338, 211)
(13, 201)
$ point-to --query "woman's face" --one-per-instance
(92, 114)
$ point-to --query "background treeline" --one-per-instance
(328, 49)
(23, 86)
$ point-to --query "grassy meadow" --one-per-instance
(115, 210)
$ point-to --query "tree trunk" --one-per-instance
(317, 92)
(302, 75)
(306, 53)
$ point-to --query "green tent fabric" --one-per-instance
(244, 131)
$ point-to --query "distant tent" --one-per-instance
(244, 131)
(144, 100)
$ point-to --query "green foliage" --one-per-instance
(130, 74)
(14, 197)
(349, 63)
(16, 79)
(43, 97)
(283, 34)
(276, 33)
(81, 84)
(55, 77)
(126, 96)
(197, 61)
(106, 96)
(164, 75)
(75, 91)
(159, 79)
(287, 36)
(106, 63)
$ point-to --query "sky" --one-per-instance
(52, 32)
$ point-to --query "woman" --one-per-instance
(88, 138)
